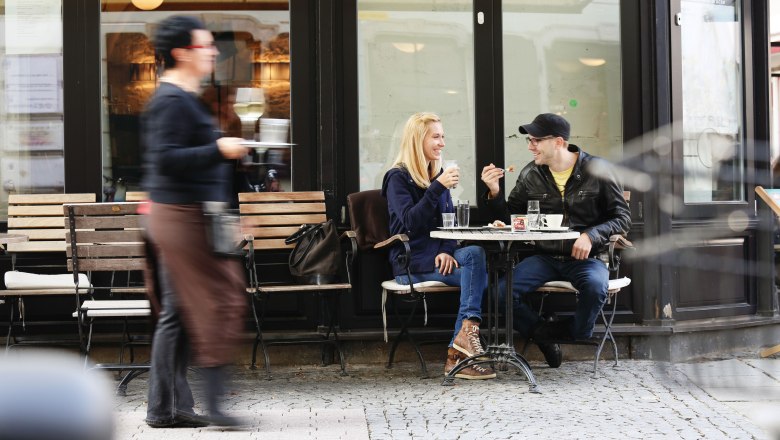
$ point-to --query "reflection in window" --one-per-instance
(254, 57)
(564, 58)
(413, 59)
(713, 149)
(31, 108)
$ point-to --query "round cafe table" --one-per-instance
(497, 243)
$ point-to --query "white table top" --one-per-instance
(501, 235)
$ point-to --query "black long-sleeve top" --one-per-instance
(182, 164)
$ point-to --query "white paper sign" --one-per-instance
(32, 84)
(33, 26)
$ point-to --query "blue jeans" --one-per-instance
(169, 392)
(590, 277)
(471, 276)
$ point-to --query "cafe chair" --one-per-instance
(267, 219)
(369, 219)
(617, 244)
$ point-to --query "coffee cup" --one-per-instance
(552, 221)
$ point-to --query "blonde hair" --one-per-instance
(412, 157)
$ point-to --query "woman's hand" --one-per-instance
(446, 263)
(491, 175)
(449, 178)
(231, 148)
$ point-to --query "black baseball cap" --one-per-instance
(547, 124)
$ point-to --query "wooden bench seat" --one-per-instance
(38, 217)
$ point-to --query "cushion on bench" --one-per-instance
(613, 284)
(15, 280)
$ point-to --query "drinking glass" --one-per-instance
(249, 106)
(448, 219)
(462, 211)
(447, 164)
(533, 214)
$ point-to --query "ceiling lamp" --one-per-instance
(147, 5)
(409, 47)
(593, 62)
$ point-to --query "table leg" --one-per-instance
(499, 352)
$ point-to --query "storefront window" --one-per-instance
(712, 125)
(413, 57)
(564, 58)
(253, 39)
(31, 99)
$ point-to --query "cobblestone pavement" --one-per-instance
(638, 399)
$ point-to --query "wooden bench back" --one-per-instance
(104, 237)
(273, 216)
(136, 196)
(39, 217)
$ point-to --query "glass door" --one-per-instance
(711, 138)
(414, 57)
(563, 58)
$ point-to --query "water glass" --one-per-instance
(462, 211)
(448, 219)
(447, 164)
(533, 214)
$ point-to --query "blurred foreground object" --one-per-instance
(50, 395)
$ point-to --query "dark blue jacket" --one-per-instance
(416, 212)
(182, 164)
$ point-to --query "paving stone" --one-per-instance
(640, 399)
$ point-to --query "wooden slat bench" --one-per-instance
(269, 218)
(38, 217)
(107, 237)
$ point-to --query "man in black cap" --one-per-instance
(561, 177)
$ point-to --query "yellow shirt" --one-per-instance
(561, 177)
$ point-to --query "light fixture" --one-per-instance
(593, 62)
(147, 5)
(409, 47)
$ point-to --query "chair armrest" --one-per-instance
(402, 238)
(351, 252)
(620, 242)
(617, 243)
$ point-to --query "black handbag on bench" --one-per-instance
(316, 258)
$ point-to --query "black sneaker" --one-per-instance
(225, 421)
(181, 420)
(552, 354)
(190, 420)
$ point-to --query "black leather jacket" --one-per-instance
(593, 202)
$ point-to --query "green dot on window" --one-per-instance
(573, 103)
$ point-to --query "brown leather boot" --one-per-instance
(474, 372)
(467, 340)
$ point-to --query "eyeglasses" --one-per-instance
(535, 141)
(200, 46)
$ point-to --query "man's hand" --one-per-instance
(581, 248)
(450, 177)
(446, 263)
(491, 175)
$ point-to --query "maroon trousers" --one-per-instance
(210, 290)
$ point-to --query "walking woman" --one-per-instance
(186, 164)
(418, 192)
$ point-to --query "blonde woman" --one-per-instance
(418, 192)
